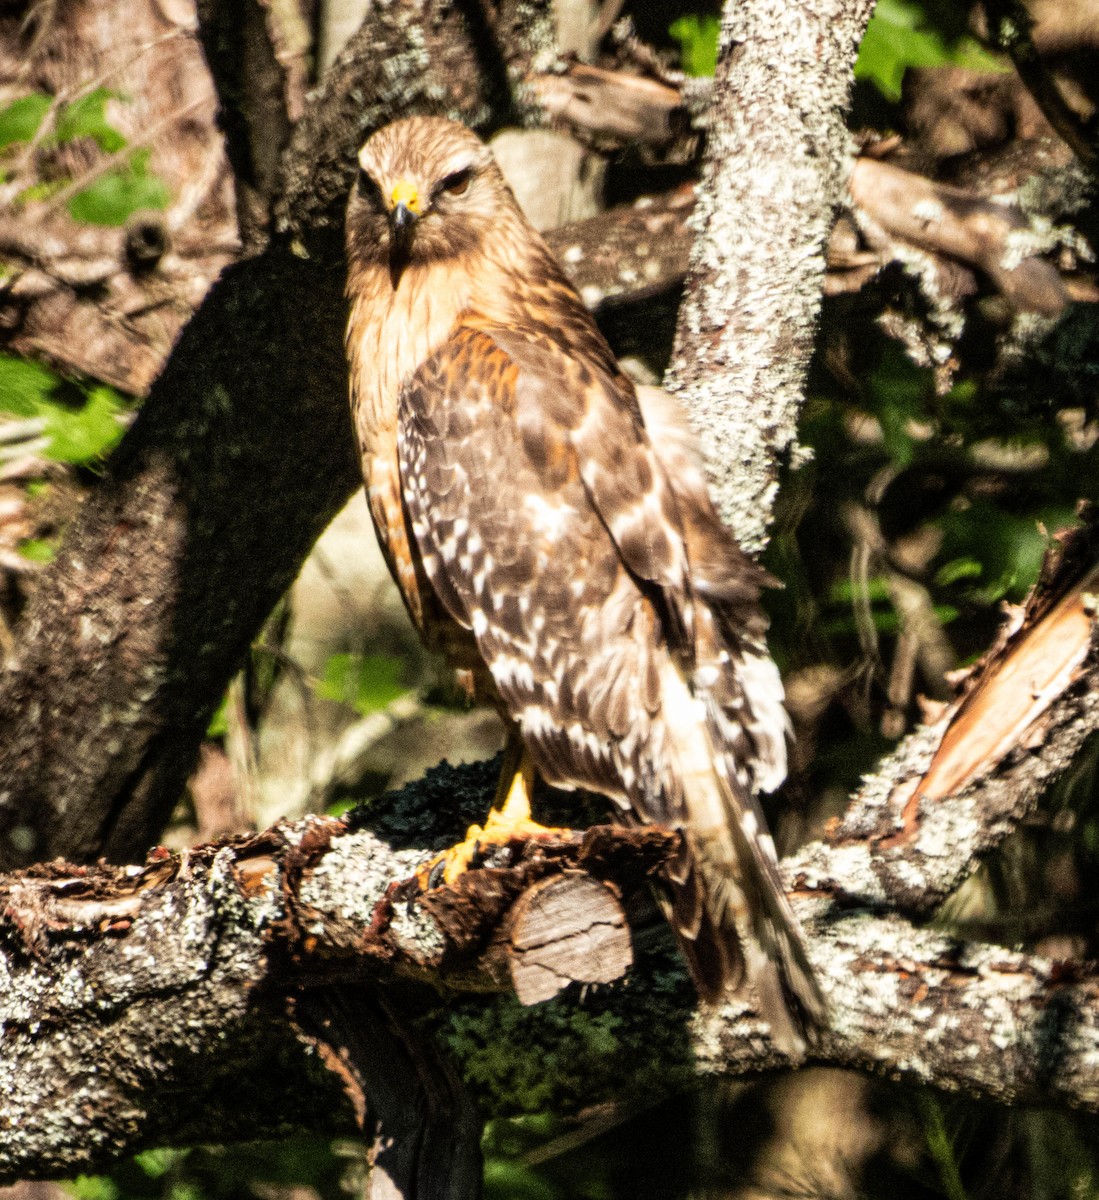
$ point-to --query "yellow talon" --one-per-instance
(506, 821)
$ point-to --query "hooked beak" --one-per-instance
(404, 207)
(401, 222)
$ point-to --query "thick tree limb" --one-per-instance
(778, 158)
(140, 994)
(171, 979)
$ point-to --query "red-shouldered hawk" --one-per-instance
(555, 537)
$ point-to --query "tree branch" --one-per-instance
(204, 979)
(142, 994)
(776, 170)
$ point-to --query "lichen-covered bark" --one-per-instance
(157, 1005)
(777, 164)
(144, 1006)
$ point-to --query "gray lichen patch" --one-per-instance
(353, 875)
(776, 170)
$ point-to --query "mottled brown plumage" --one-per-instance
(552, 533)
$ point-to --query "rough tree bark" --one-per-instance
(777, 165)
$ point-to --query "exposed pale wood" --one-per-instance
(567, 929)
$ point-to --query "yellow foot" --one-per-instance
(506, 822)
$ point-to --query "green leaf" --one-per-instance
(219, 722)
(876, 590)
(697, 35)
(506, 1180)
(901, 393)
(958, 568)
(93, 1187)
(87, 117)
(84, 434)
(79, 432)
(40, 191)
(900, 35)
(19, 122)
(115, 197)
(24, 386)
(38, 550)
(157, 1163)
(365, 682)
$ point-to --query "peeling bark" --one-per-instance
(138, 995)
(956, 788)
(193, 980)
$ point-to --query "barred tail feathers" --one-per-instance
(728, 907)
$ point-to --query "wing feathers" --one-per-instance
(620, 629)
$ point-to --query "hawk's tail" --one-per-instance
(729, 907)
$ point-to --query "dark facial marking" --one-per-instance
(368, 190)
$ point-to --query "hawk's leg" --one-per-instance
(508, 820)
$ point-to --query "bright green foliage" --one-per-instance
(87, 433)
(113, 198)
(23, 385)
(20, 120)
(94, 1187)
(87, 117)
(81, 421)
(364, 682)
(697, 35)
(37, 549)
(903, 34)
(219, 722)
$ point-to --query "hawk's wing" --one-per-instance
(536, 499)
(547, 525)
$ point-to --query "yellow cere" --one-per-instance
(407, 194)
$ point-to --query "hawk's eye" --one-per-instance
(457, 183)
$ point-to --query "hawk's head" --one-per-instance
(427, 190)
